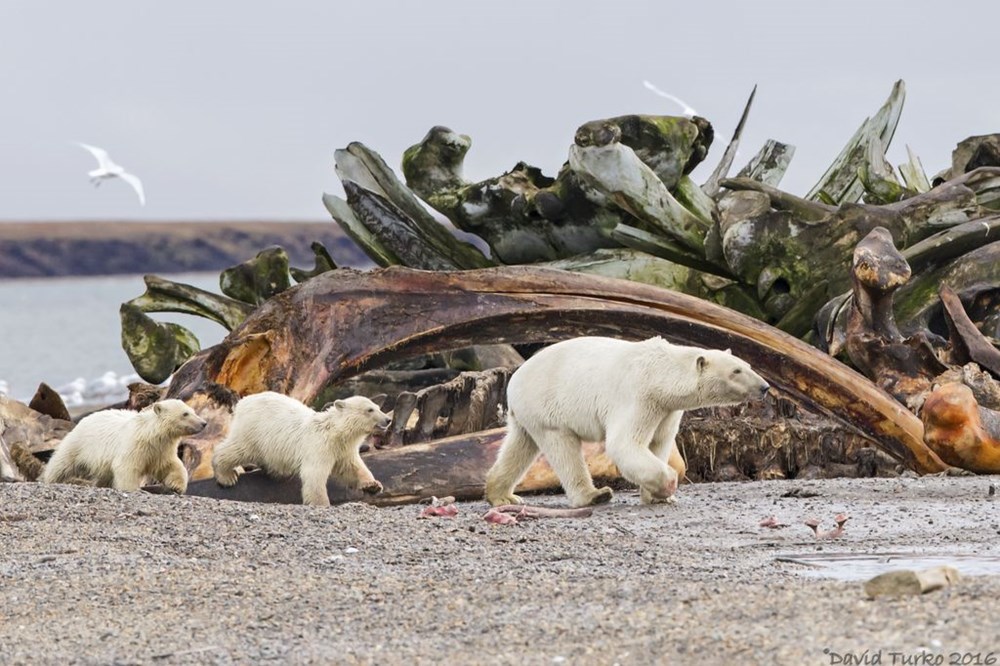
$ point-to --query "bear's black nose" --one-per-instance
(764, 389)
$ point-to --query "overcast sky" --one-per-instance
(232, 109)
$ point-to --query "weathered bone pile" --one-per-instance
(865, 301)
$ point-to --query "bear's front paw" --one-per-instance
(504, 500)
(179, 487)
(227, 479)
(662, 488)
(372, 487)
(597, 496)
(647, 497)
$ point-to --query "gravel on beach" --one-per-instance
(95, 576)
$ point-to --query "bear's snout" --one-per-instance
(765, 387)
(383, 422)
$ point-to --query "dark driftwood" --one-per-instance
(323, 331)
(453, 466)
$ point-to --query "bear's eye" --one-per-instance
(371, 409)
(737, 371)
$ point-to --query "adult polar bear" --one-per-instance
(629, 394)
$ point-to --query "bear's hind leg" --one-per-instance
(677, 462)
(225, 462)
(127, 479)
(516, 454)
(61, 466)
(314, 487)
(564, 453)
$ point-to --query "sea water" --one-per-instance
(66, 332)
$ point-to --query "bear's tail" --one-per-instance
(31, 468)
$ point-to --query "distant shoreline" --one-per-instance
(89, 248)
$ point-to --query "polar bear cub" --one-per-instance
(629, 394)
(121, 448)
(286, 438)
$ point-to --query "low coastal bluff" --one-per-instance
(57, 249)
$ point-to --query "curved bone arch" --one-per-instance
(345, 322)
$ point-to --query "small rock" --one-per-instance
(350, 550)
(801, 492)
(908, 582)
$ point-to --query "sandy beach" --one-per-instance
(93, 576)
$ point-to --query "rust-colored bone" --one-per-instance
(905, 367)
(344, 322)
(961, 432)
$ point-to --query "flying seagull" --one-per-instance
(107, 169)
(686, 110)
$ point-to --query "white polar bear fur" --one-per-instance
(629, 394)
(286, 438)
(121, 448)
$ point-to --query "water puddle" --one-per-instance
(862, 566)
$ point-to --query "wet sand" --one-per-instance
(94, 576)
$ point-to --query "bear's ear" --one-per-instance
(729, 351)
(339, 404)
(702, 362)
(157, 408)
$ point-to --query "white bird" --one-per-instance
(106, 384)
(686, 110)
(75, 386)
(108, 169)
